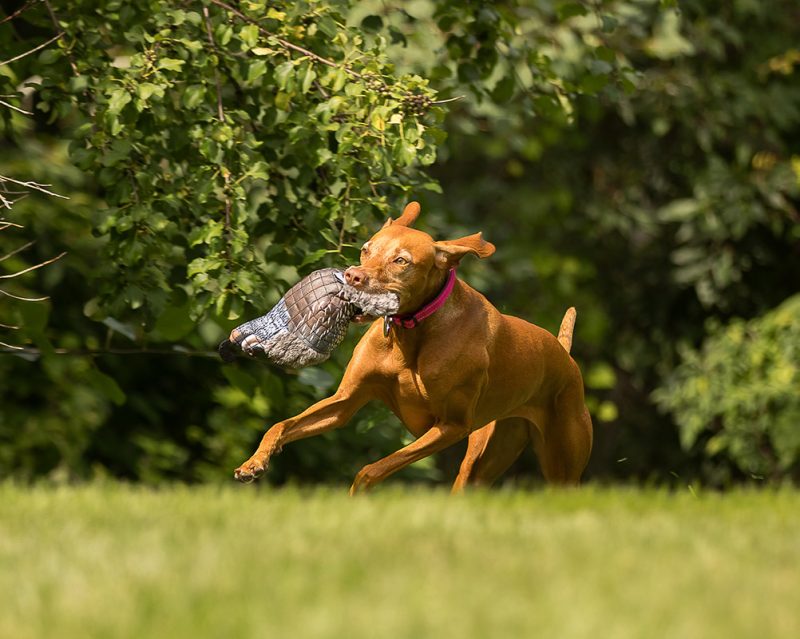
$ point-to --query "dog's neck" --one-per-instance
(410, 340)
(428, 301)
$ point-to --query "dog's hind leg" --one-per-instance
(490, 452)
(564, 442)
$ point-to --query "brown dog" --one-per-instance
(464, 371)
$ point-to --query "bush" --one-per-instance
(737, 395)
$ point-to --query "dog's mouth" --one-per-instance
(369, 305)
(362, 317)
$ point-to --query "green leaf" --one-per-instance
(606, 54)
(600, 67)
(255, 70)
(570, 9)
(315, 256)
(240, 379)
(308, 78)
(249, 35)
(117, 100)
(204, 234)
(340, 78)
(193, 96)
(147, 89)
(609, 23)
(404, 153)
(224, 33)
(593, 83)
(105, 385)
(283, 74)
(171, 64)
(377, 121)
(78, 83)
(679, 210)
(327, 25)
(397, 36)
(283, 101)
(372, 24)
(175, 322)
(118, 152)
(49, 56)
(504, 89)
(120, 327)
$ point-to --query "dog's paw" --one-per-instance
(363, 480)
(251, 470)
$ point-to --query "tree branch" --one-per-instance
(15, 108)
(60, 31)
(24, 299)
(16, 13)
(18, 250)
(32, 268)
(458, 97)
(6, 203)
(34, 50)
(32, 185)
(284, 43)
(210, 35)
(83, 352)
(7, 347)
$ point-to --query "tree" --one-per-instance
(622, 155)
(229, 147)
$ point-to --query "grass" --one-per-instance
(115, 561)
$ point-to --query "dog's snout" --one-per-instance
(354, 276)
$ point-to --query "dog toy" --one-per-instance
(308, 322)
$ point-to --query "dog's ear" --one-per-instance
(409, 216)
(450, 252)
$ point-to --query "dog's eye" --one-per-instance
(400, 260)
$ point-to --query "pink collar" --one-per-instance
(412, 320)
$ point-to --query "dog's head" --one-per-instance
(410, 263)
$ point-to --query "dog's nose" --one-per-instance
(354, 276)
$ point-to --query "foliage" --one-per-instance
(657, 210)
(738, 394)
(635, 158)
(227, 147)
(222, 161)
(222, 154)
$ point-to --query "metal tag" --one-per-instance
(387, 325)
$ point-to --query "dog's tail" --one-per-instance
(567, 326)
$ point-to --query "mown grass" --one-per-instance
(116, 561)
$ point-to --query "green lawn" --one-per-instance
(115, 561)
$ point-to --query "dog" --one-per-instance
(451, 367)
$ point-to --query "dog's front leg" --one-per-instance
(439, 437)
(327, 414)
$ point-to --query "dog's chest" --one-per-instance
(411, 401)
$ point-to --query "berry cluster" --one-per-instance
(415, 104)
